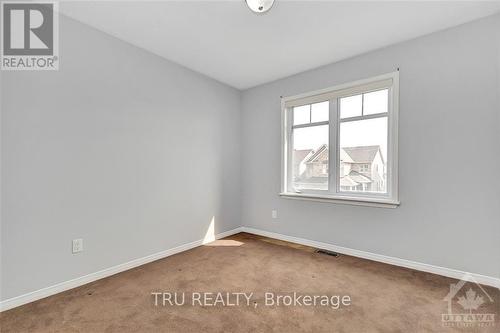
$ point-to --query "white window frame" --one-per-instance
(390, 199)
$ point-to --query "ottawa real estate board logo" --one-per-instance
(29, 35)
(469, 305)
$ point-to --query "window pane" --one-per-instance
(363, 155)
(376, 102)
(320, 111)
(301, 114)
(310, 158)
(351, 106)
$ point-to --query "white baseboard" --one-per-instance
(63, 286)
(453, 273)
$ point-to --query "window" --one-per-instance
(310, 139)
(341, 143)
(365, 168)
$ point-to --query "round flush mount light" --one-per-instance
(259, 6)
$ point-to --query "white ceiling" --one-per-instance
(226, 41)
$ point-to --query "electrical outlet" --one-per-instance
(274, 214)
(77, 245)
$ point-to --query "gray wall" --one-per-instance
(124, 149)
(449, 154)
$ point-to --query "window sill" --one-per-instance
(357, 201)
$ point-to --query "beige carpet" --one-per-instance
(383, 298)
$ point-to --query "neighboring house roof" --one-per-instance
(354, 178)
(300, 155)
(317, 153)
(358, 177)
(344, 157)
(347, 181)
(363, 154)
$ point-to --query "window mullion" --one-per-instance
(333, 150)
(362, 105)
(289, 152)
(368, 116)
(319, 123)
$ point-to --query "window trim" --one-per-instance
(333, 94)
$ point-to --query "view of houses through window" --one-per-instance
(362, 146)
(362, 169)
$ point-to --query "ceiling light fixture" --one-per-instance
(259, 6)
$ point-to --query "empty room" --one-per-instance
(250, 166)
